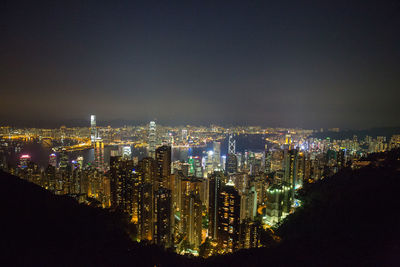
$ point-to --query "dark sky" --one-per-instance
(272, 63)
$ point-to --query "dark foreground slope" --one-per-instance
(38, 228)
(350, 219)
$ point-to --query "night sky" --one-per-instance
(271, 63)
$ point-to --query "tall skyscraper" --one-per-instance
(163, 160)
(277, 207)
(267, 159)
(217, 155)
(231, 164)
(145, 212)
(290, 175)
(190, 210)
(152, 139)
(122, 182)
(214, 188)
(228, 218)
(147, 177)
(231, 145)
(162, 215)
(231, 161)
(99, 154)
(53, 160)
(64, 161)
(93, 129)
(249, 204)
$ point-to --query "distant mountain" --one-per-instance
(348, 134)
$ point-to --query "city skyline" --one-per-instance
(331, 64)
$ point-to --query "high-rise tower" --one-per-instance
(228, 218)
(93, 129)
(232, 145)
(163, 159)
(216, 155)
(152, 139)
(215, 183)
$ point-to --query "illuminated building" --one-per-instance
(147, 178)
(99, 155)
(195, 220)
(231, 164)
(145, 212)
(122, 183)
(152, 139)
(290, 174)
(191, 210)
(214, 188)
(249, 235)
(223, 162)
(162, 215)
(217, 155)
(63, 159)
(198, 170)
(50, 175)
(126, 152)
(192, 167)
(259, 183)
(93, 128)
(148, 170)
(24, 161)
(268, 158)
(228, 218)
(231, 145)
(248, 207)
(288, 139)
(209, 162)
(163, 161)
(277, 205)
(79, 160)
(184, 135)
(53, 160)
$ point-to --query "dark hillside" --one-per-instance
(350, 219)
(39, 228)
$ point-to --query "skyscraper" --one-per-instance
(214, 188)
(228, 218)
(152, 139)
(162, 215)
(290, 175)
(231, 161)
(145, 212)
(267, 159)
(122, 184)
(53, 160)
(93, 129)
(147, 178)
(231, 164)
(231, 145)
(24, 161)
(163, 160)
(217, 155)
(99, 154)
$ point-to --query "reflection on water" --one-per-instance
(40, 152)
